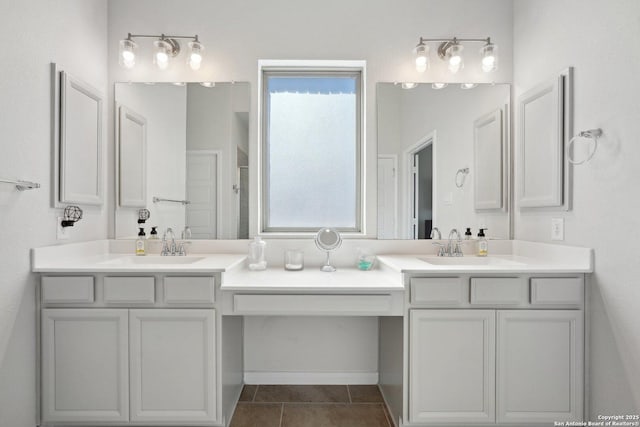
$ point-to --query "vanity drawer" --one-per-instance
(67, 289)
(301, 305)
(556, 290)
(439, 291)
(189, 290)
(498, 291)
(135, 290)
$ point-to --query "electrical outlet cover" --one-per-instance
(557, 228)
(62, 233)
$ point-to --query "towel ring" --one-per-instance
(464, 172)
(592, 134)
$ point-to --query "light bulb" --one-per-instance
(438, 86)
(207, 84)
(489, 55)
(468, 85)
(408, 85)
(195, 54)
(454, 57)
(127, 57)
(161, 55)
(422, 57)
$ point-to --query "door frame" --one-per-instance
(394, 159)
(218, 155)
(407, 155)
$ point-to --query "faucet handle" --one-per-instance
(435, 232)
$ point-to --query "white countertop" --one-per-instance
(312, 279)
(106, 256)
(512, 264)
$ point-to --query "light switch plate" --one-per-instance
(557, 228)
(62, 233)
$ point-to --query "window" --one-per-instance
(311, 133)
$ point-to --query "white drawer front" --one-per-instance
(67, 289)
(181, 290)
(138, 290)
(439, 291)
(498, 291)
(556, 290)
(301, 305)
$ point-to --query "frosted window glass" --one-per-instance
(312, 152)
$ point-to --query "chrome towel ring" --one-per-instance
(591, 134)
(464, 172)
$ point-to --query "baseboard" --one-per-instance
(310, 378)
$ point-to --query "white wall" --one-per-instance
(601, 39)
(165, 109)
(382, 32)
(73, 34)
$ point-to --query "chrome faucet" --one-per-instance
(454, 248)
(435, 232)
(166, 248)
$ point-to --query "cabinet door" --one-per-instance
(85, 365)
(172, 365)
(540, 366)
(452, 366)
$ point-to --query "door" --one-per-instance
(173, 369)
(540, 366)
(387, 197)
(203, 192)
(423, 192)
(85, 374)
(452, 366)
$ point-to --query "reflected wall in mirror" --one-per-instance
(436, 148)
(182, 151)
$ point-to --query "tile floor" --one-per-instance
(311, 406)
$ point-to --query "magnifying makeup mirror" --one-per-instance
(328, 240)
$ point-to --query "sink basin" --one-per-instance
(470, 260)
(154, 260)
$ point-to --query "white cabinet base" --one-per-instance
(173, 366)
(452, 366)
(85, 374)
(539, 366)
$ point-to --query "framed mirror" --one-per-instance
(443, 159)
(77, 138)
(183, 153)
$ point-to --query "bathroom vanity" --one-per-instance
(153, 340)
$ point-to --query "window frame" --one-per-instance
(267, 69)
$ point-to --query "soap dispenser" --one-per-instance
(256, 254)
(468, 234)
(483, 244)
(140, 242)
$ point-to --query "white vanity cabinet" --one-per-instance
(495, 350)
(85, 369)
(140, 350)
(172, 365)
(452, 365)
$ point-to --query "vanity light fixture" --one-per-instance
(407, 85)
(468, 85)
(450, 50)
(166, 47)
(438, 86)
(422, 56)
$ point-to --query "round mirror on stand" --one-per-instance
(328, 240)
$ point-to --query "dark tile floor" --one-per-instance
(311, 406)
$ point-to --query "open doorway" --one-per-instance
(421, 176)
